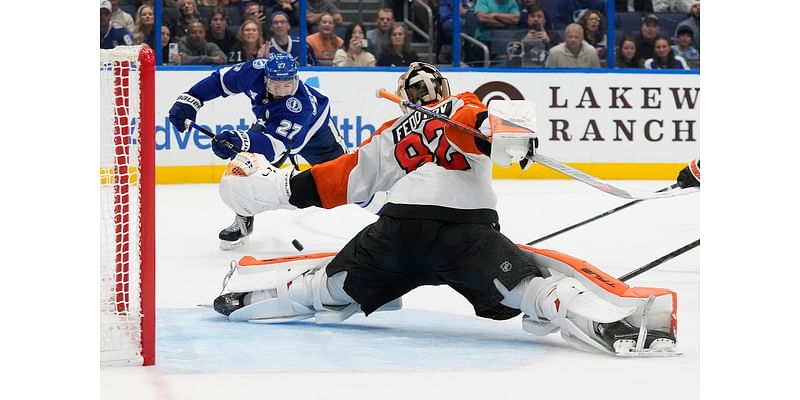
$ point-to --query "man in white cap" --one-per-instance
(112, 34)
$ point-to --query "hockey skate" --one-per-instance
(286, 290)
(237, 233)
(625, 340)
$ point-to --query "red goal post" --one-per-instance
(127, 206)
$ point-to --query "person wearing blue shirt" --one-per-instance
(445, 42)
(568, 11)
(683, 46)
(283, 42)
(112, 34)
(693, 22)
(292, 119)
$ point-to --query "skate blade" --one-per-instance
(649, 354)
(280, 320)
(226, 245)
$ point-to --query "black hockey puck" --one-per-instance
(297, 245)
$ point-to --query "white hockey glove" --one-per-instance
(251, 185)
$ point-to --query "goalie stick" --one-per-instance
(659, 261)
(596, 217)
(548, 162)
(189, 123)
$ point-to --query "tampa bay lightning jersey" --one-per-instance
(116, 35)
(282, 125)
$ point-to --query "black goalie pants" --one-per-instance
(395, 255)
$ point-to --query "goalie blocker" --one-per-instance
(592, 310)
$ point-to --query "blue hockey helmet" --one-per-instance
(282, 76)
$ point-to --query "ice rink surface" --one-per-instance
(434, 347)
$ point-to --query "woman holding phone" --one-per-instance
(354, 53)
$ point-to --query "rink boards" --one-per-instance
(611, 125)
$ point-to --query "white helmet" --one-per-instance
(422, 84)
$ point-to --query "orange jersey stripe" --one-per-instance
(467, 115)
(332, 177)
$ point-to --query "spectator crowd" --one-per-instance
(646, 34)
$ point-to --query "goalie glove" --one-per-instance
(690, 175)
(221, 145)
(251, 185)
(185, 107)
(507, 150)
(511, 126)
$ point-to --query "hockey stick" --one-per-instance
(659, 261)
(551, 163)
(596, 217)
(189, 123)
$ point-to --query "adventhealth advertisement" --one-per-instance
(581, 118)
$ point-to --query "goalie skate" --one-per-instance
(237, 233)
(628, 341)
(624, 338)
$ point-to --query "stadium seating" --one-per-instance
(628, 22)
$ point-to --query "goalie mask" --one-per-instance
(422, 84)
(282, 79)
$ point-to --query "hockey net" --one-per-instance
(127, 186)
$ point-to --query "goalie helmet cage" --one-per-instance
(127, 206)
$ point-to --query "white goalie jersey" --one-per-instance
(422, 160)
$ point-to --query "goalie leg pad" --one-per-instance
(276, 291)
(594, 310)
(273, 303)
(561, 302)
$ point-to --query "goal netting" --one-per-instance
(127, 186)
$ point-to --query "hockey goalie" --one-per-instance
(439, 226)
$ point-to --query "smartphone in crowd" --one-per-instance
(173, 52)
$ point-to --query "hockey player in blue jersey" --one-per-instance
(292, 119)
